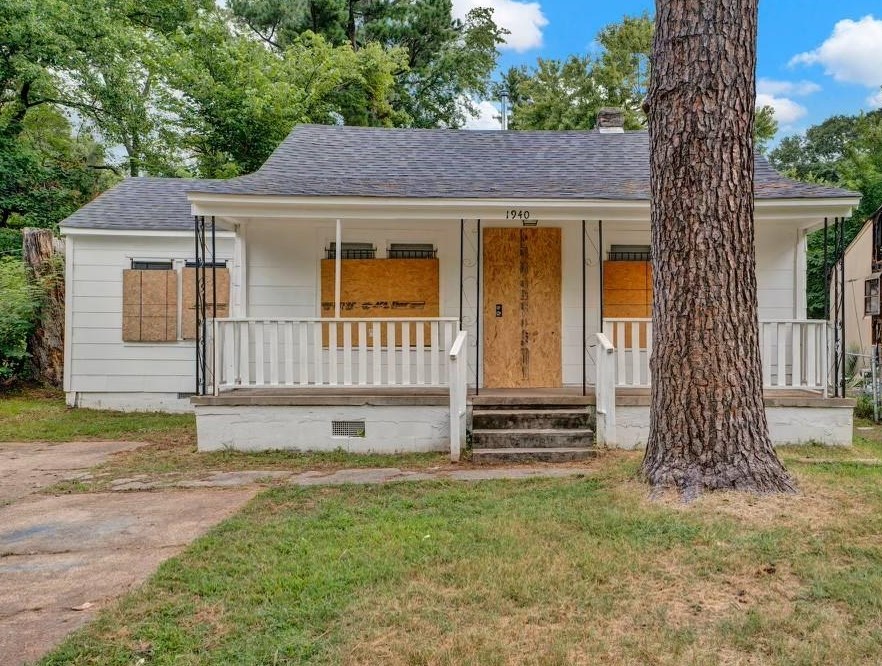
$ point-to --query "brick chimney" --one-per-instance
(610, 120)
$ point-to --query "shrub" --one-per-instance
(19, 303)
(864, 407)
(10, 243)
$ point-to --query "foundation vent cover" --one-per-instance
(347, 428)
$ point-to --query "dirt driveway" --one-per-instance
(64, 557)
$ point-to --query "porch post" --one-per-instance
(478, 311)
(584, 327)
(338, 252)
(600, 267)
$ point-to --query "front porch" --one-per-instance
(382, 331)
(403, 384)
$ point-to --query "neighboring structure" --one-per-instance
(863, 267)
(364, 276)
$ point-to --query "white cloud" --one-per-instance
(851, 53)
(875, 100)
(786, 110)
(524, 20)
(487, 118)
(796, 88)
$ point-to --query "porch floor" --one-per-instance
(439, 395)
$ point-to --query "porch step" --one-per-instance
(523, 419)
(526, 455)
(532, 438)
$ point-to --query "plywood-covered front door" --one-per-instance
(522, 307)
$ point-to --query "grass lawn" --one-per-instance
(41, 415)
(578, 571)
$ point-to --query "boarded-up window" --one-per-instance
(150, 305)
(188, 323)
(627, 294)
(378, 288)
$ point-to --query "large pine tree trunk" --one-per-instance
(708, 426)
(44, 256)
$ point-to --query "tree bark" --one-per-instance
(708, 426)
(44, 257)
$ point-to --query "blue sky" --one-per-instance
(815, 58)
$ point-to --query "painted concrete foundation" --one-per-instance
(832, 425)
(388, 429)
(130, 402)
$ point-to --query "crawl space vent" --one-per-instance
(347, 428)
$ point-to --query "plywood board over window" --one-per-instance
(188, 323)
(150, 305)
(381, 288)
(627, 294)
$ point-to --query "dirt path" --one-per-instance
(62, 558)
(27, 467)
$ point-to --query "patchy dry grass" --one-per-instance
(576, 571)
(41, 415)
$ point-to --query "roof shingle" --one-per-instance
(328, 161)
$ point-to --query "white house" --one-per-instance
(512, 263)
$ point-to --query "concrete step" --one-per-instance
(526, 455)
(539, 438)
(529, 419)
(535, 401)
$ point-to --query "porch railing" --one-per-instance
(257, 353)
(794, 352)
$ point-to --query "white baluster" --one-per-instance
(318, 351)
(621, 350)
(244, 353)
(258, 353)
(780, 332)
(362, 353)
(347, 353)
(391, 361)
(332, 354)
(377, 352)
(811, 368)
(405, 353)
(635, 353)
(274, 352)
(766, 329)
(302, 351)
(434, 350)
(420, 352)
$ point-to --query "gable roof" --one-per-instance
(152, 204)
(322, 160)
(329, 161)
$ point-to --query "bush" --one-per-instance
(863, 409)
(10, 243)
(19, 303)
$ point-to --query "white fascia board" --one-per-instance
(367, 208)
(142, 233)
(243, 207)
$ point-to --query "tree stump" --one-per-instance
(44, 257)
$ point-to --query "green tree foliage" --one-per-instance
(765, 128)
(19, 303)
(46, 171)
(239, 99)
(566, 94)
(449, 61)
(845, 151)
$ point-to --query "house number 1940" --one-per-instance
(517, 214)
